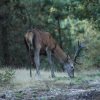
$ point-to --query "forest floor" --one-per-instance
(85, 86)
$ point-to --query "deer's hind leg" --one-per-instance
(50, 62)
(37, 61)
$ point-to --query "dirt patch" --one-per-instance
(59, 92)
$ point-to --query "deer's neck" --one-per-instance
(60, 54)
(57, 51)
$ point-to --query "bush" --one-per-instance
(6, 77)
(85, 31)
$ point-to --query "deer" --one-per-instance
(40, 43)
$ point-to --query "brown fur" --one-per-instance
(43, 40)
(42, 43)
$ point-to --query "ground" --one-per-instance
(85, 86)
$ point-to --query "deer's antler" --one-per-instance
(77, 53)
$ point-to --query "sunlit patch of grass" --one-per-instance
(60, 78)
(22, 79)
(77, 80)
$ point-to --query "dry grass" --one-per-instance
(23, 79)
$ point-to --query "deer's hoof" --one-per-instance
(38, 77)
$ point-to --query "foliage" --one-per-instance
(6, 77)
(67, 20)
(93, 46)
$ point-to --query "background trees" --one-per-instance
(67, 20)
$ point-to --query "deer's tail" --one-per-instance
(27, 47)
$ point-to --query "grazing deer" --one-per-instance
(42, 43)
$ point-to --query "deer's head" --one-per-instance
(69, 67)
(69, 63)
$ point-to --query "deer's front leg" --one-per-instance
(51, 63)
(37, 61)
(31, 62)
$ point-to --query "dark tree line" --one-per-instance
(65, 20)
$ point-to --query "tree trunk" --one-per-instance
(59, 31)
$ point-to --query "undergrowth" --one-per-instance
(6, 77)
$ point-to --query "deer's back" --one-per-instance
(44, 39)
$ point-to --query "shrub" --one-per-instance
(6, 76)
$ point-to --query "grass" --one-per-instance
(22, 79)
